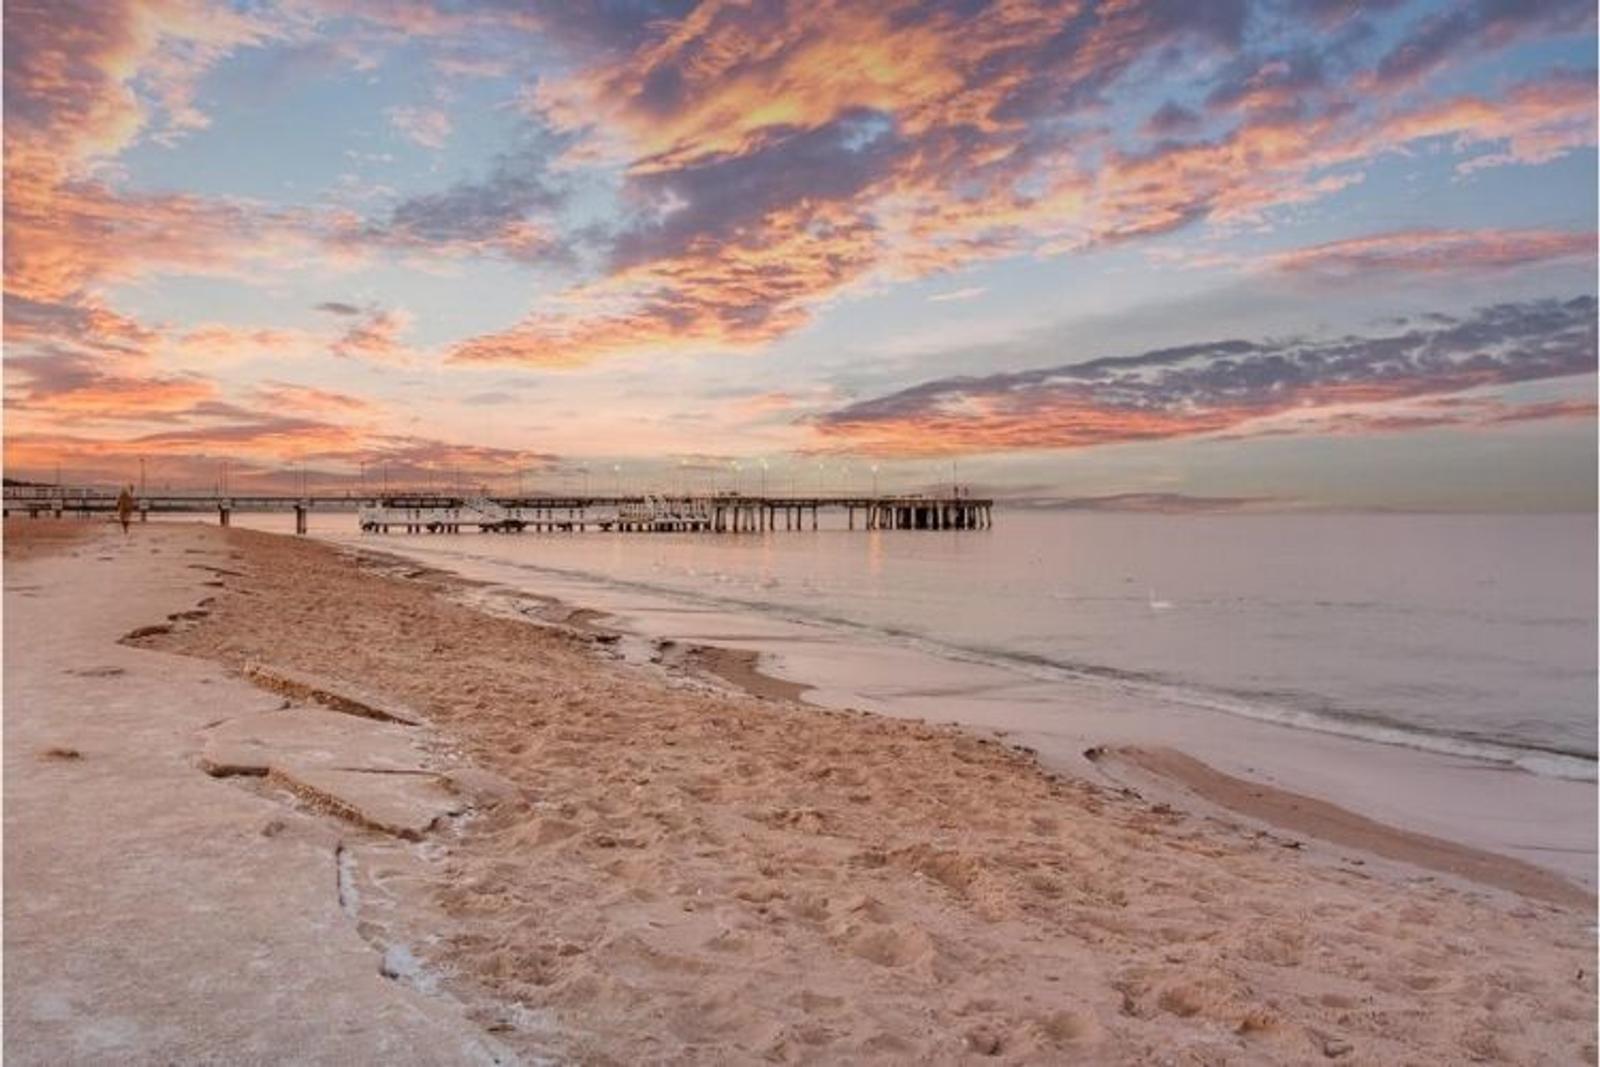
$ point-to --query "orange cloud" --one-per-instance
(711, 296)
(376, 336)
(308, 400)
(1241, 388)
(113, 397)
(215, 343)
(784, 156)
(1435, 251)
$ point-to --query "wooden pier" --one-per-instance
(719, 513)
(431, 512)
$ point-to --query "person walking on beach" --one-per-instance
(125, 507)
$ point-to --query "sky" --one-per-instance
(1242, 253)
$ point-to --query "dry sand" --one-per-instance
(675, 875)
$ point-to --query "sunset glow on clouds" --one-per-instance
(522, 236)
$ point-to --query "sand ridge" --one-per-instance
(680, 876)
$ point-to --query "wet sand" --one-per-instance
(1329, 823)
(736, 667)
(670, 874)
(30, 538)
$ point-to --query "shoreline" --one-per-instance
(1394, 790)
(1334, 826)
(729, 584)
(641, 868)
(1174, 775)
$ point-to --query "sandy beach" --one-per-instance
(530, 850)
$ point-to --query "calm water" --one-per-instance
(1465, 634)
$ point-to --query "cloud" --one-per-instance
(1476, 25)
(427, 126)
(1212, 388)
(1170, 118)
(83, 78)
(212, 344)
(307, 400)
(779, 155)
(714, 296)
(509, 213)
(775, 159)
(969, 293)
(82, 324)
(83, 82)
(65, 238)
(82, 388)
(1329, 13)
(1435, 251)
(375, 336)
(1272, 84)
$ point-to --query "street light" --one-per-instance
(874, 479)
(763, 477)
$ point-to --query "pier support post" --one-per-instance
(223, 514)
(300, 518)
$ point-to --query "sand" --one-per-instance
(1330, 823)
(31, 538)
(153, 914)
(668, 873)
(739, 668)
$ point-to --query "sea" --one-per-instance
(1470, 636)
